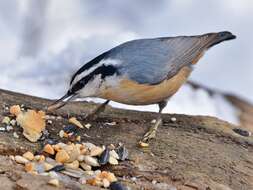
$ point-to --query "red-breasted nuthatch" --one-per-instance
(141, 72)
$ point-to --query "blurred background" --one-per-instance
(43, 42)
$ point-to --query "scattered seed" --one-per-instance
(49, 122)
(37, 157)
(173, 119)
(106, 183)
(104, 158)
(12, 157)
(39, 167)
(61, 133)
(114, 154)
(76, 173)
(48, 166)
(62, 156)
(85, 166)
(82, 180)
(2, 129)
(13, 122)
(153, 121)
(111, 123)
(72, 165)
(29, 167)
(242, 132)
(9, 128)
(122, 152)
(91, 161)
(117, 186)
(70, 129)
(49, 149)
(53, 174)
(57, 168)
(74, 121)
(50, 141)
(143, 144)
(89, 145)
(15, 135)
(15, 110)
(78, 138)
(107, 175)
(28, 155)
(54, 182)
(113, 161)
(89, 172)
(21, 160)
(51, 161)
(96, 151)
(6, 120)
(88, 125)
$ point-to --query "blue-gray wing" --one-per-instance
(150, 61)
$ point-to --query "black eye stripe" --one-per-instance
(90, 64)
(105, 71)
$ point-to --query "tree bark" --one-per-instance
(191, 153)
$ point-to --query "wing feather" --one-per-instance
(150, 61)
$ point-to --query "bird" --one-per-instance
(141, 72)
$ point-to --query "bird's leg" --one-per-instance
(152, 130)
(100, 108)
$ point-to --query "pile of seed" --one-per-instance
(79, 161)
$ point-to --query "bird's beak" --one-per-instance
(61, 102)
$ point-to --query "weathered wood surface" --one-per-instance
(192, 153)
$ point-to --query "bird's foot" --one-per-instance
(94, 114)
(151, 134)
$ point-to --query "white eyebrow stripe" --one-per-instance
(106, 62)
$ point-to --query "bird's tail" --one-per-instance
(216, 38)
